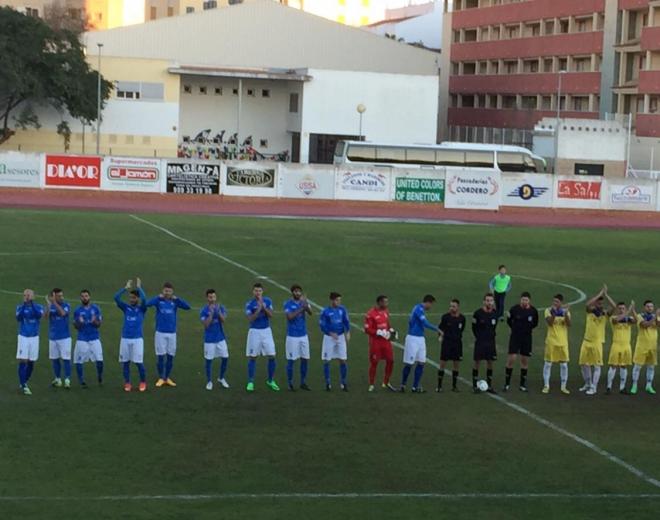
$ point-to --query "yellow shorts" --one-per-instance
(591, 353)
(646, 356)
(556, 353)
(620, 355)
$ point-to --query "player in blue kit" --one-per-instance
(260, 342)
(213, 317)
(336, 328)
(59, 337)
(87, 319)
(131, 346)
(166, 304)
(28, 316)
(297, 341)
(415, 344)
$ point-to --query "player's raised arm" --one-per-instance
(591, 302)
(118, 295)
(143, 297)
(267, 307)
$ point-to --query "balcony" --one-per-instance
(507, 118)
(583, 83)
(649, 82)
(650, 39)
(559, 45)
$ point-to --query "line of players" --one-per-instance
(334, 322)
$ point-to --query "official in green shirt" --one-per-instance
(500, 284)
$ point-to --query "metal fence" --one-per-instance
(489, 135)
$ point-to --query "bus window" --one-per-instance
(511, 161)
(361, 153)
(531, 165)
(479, 159)
(339, 150)
(389, 154)
(450, 158)
(420, 156)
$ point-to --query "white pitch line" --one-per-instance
(35, 253)
(527, 413)
(337, 496)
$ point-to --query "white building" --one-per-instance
(416, 24)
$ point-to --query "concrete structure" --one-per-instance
(38, 7)
(505, 60)
(416, 24)
(254, 69)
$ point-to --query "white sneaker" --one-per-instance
(209, 386)
(585, 387)
(372, 388)
(591, 391)
(223, 382)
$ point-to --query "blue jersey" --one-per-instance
(58, 326)
(214, 333)
(28, 316)
(297, 327)
(334, 319)
(133, 315)
(83, 318)
(166, 312)
(262, 321)
(418, 322)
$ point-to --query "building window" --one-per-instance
(563, 26)
(250, 92)
(190, 9)
(483, 67)
(293, 102)
(170, 11)
(31, 11)
(654, 104)
(263, 143)
(203, 91)
(187, 89)
(265, 93)
(234, 91)
(469, 68)
(549, 27)
(143, 90)
(531, 66)
(495, 67)
(509, 102)
(510, 67)
(581, 103)
(582, 64)
(218, 91)
(467, 101)
(563, 64)
(547, 65)
(529, 102)
(470, 35)
(153, 12)
(127, 90)
(546, 102)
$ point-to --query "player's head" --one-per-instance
(168, 290)
(382, 301)
(454, 306)
(335, 299)
(428, 301)
(649, 306)
(296, 291)
(489, 300)
(211, 296)
(622, 308)
(258, 290)
(598, 304)
(85, 297)
(525, 299)
(557, 300)
(57, 294)
(502, 269)
(133, 297)
(28, 295)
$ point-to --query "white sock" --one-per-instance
(547, 369)
(635, 375)
(623, 375)
(610, 376)
(596, 376)
(586, 374)
(563, 372)
(650, 374)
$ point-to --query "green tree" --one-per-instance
(42, 66)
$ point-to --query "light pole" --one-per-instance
(559, 78)
(361, 109)
(98, 102)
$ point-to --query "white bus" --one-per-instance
(460, 155)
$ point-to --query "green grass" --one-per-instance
(187, 441)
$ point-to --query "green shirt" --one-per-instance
(500, 283)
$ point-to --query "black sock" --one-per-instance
(441, 374)
(489, 377)
(523, 377)
(475, 376)
(509, 373)
(454, 378)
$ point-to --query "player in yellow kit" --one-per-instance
(591, 350)
(646, 348)
(621, 351)
(558, 318)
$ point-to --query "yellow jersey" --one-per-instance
(594, 331)
(557, 332)
(621, 332)
(647, 337)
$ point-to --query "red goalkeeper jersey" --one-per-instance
(377, 319)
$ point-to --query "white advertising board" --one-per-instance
(20, 170)
(473, 189)
(630, 194)
(307, 182)
(363, 184)
(132, 174)
(532, 190)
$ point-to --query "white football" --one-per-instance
(482, 385)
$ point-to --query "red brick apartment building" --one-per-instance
(506, 61)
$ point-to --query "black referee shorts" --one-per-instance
(485, 351)
(521, 346)
(451, 351)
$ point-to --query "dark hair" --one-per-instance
(210, 291)
(559, 297)
(648, 301)
(295, 286)
(135, 292)
(525, 295)
(334, 295)
(56, 290)
(257, 286)
(489, 294)
(502, 266)
(621, 303)
(600, 299)
(85, 291)
(455, 300)
(380, 298)
(168, 285)
(429, 298)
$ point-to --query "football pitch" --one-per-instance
(189, 453)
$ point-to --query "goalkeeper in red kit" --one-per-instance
(378, 328)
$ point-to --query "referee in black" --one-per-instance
(452, 325)
(484, 324)
(523, 319)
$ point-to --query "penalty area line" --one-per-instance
(513, 406)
